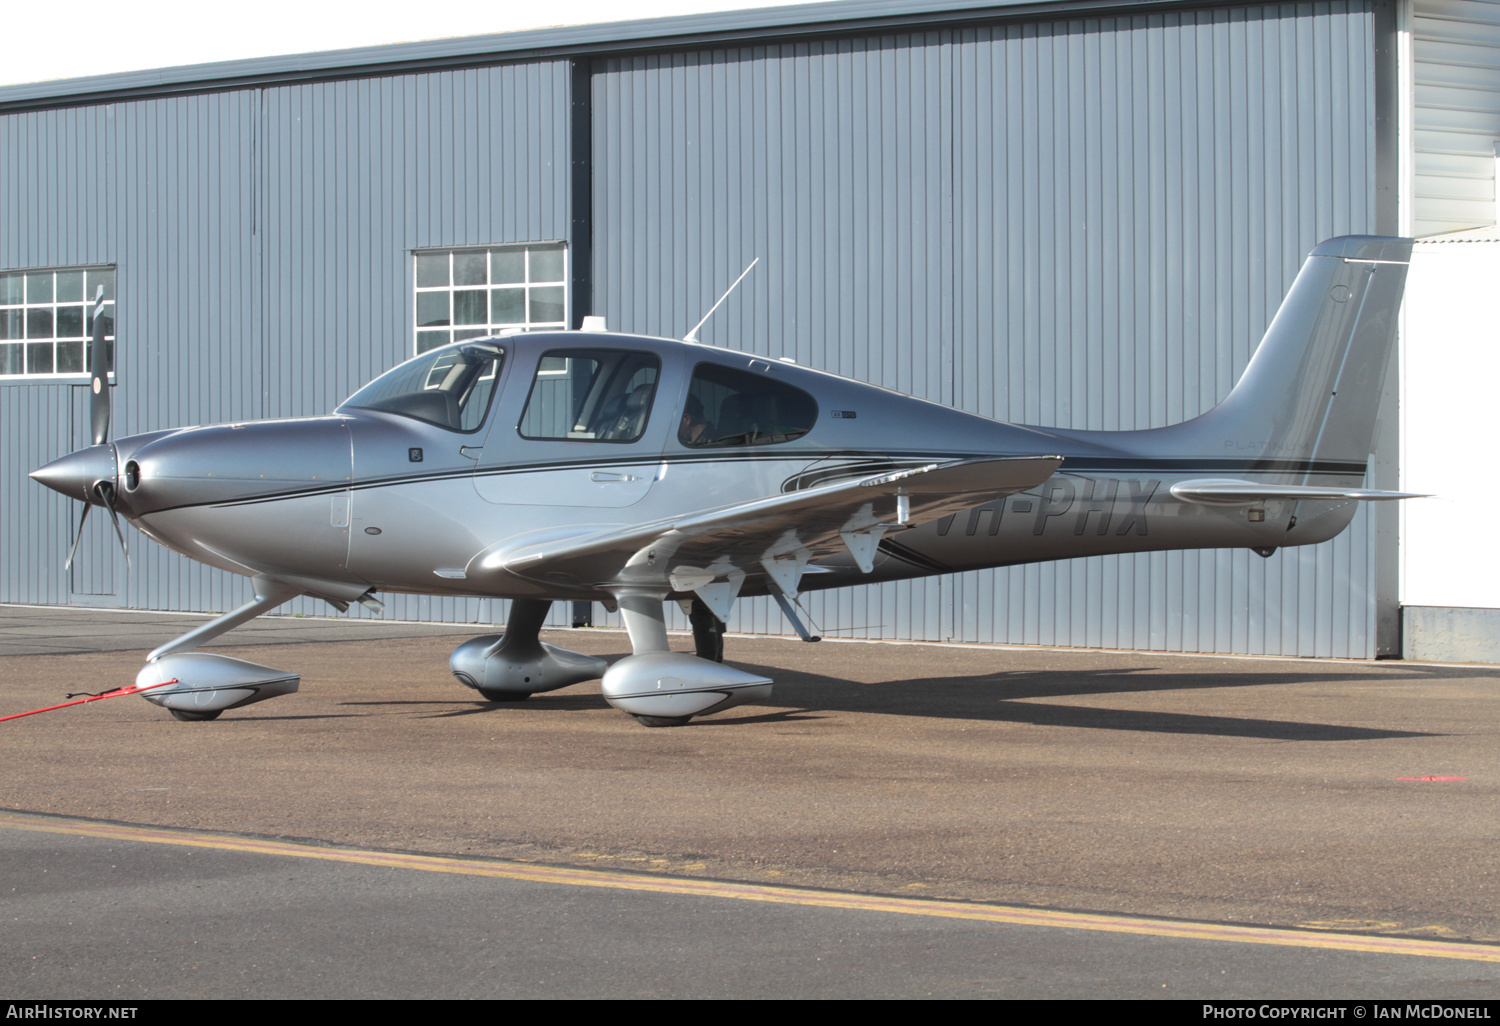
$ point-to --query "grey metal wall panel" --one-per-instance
(35, 528)
(54, 212)
(263, 242)
(188, 343)
(1082, 223)
(360, 173)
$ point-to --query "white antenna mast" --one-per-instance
(692, 335)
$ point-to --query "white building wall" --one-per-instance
(1450, 589)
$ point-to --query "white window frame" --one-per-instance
(26, 305)
(432, 334)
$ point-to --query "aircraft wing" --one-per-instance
(712, 552)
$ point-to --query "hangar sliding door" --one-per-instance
(1082, 223)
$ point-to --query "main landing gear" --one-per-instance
(662, 688)
(517, 664)
(657, 686)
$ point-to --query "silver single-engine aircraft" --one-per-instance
(636, 471)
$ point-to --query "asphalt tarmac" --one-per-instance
(1350, 805)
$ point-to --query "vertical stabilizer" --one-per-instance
(1312, 390)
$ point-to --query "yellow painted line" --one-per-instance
(759, 892)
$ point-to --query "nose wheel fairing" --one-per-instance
(210, 684)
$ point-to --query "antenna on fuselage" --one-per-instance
(692, 335)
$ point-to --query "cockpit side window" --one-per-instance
(728, 407)
(450, 387)
(591, 395)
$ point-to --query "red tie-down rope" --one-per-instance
(128, 689)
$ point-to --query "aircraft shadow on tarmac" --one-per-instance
(997, 697)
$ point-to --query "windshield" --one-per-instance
(450, 387)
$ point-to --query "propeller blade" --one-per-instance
(79, 539)
(99, 376)
(108, 495)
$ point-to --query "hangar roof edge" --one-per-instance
(598, 39)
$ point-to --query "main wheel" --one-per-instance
(503, 696)
(661, 721)
(183, 714)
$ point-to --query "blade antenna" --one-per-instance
(692, 336)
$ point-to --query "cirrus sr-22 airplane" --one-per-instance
(637, 471)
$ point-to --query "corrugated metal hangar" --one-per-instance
(1080, 214)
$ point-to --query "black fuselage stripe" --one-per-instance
(914, 558)
(1072, 465)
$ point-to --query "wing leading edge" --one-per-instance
(712, 553)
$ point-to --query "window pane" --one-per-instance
(591, 395)
(97, 277)
(39, 324)
(557, 397)
(70, 320)
(508, 306)
(468, 268)
(732, 407)
(432, 269)
(431, 340)
(547, 264)
(39, 287)
(451, 291)
(469, 306)
(507, 266)
(70, 358)
(11, 288)
(432, 309)
(547, 304)
(12, 359)
(10, 324)
(39, 358)
(70, 286)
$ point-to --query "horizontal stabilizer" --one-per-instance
(1228, 492)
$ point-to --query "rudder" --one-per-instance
(1312, 389)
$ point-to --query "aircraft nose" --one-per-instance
(75, 474)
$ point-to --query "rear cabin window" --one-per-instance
(728, 407)
(591, 395)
